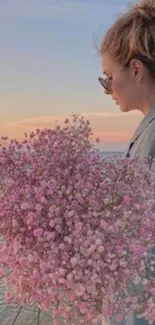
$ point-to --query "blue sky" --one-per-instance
(49, 65)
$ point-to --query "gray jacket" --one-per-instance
(143, 141)
(142, 144)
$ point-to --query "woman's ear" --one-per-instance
(137, 69)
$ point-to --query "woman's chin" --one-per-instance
(123, 108)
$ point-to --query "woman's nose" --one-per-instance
(107, 92)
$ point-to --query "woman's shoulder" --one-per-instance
(150, 129)
(146, 141)
(144, 144)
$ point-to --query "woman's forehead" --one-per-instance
(108, 63)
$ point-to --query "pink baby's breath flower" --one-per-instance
(101, 249)
(39, 207)
(52, 223)
(74, 261)
(30, 218)
(15, 223)
(76, 228)
(24, 206)
(112, 267)
(38, 232)
(66, 120)
(80, 290)
(30, 258)
(43, 200)
(22, 261)
(127, 199)
(97, 140)
(7, 297)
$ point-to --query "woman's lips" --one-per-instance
(115, 100)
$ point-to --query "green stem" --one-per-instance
(38, 317)
(17, 315)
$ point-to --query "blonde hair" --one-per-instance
(133, 36)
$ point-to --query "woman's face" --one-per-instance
(124, 89)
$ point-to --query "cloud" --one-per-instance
(35, 122)
(17, 128)
(111, 114)
(110, 127)
(112, 136)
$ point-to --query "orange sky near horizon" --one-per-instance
(111, 127)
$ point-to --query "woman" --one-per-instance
(128, 60)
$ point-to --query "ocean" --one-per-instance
(29, 315)
(107, 154)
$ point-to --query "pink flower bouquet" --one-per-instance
(76, 229)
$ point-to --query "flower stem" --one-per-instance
(38, 318)
(17, 315)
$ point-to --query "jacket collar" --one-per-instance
(143, 124)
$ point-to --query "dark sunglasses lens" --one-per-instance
(103, 83)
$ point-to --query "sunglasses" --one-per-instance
(106, 83)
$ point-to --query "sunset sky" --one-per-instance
(49, 67)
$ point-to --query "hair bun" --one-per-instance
(146, 8)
